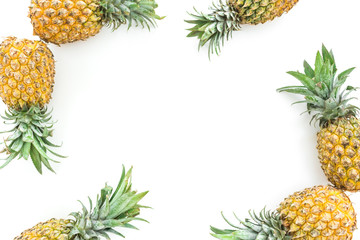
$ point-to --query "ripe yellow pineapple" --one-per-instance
(227, 17)
(112, 209)
(338, 141)
(320, 212)
(27, 71)
(65, 21)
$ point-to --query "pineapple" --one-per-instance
(27, 70)
(321, 212)
(338, 141)
(65, 21)
(112, 209)
(224, 18)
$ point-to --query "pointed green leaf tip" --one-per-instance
(266, 225)
(325, 97)
(29, 137)
(214, 28)
(112, 209)
(119, 12)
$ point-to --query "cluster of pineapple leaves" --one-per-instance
(215, 27)
(266, 225)
(29, 136)
(112, 209)
(322, 89)
(118, 12)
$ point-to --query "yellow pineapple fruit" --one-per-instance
(321, 212)
(227, 17)
(338, 147)
(65, 21)
(112, 209)
(55, 229)
(260, 11)
(338, 141)
(27, 70)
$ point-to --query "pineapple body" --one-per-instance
(54, 229)
(327, 100)
(261, 11)
(339, 152)
(321, 212)
(27, 71)
(65, 21)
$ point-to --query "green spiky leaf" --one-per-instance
(214, 28)
(266, 225)
(322, 89)
(138, 12)
(112, 209)
(29, 137)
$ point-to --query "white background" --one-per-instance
(203, 136)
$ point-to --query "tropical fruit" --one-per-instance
(321, 212)
(112, 209)
(65, 21)
(338, 141)
(27, 70)
(224, 18)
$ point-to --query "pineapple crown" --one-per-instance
(266, 225)
(118, 12)
(322, 89)
(29, 137)
(112, 209)
(214, 27)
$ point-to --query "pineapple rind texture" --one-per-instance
(261, 11)
(321, 212)
(54, 229)
(27, 71)
(339, 152)
(65, 21)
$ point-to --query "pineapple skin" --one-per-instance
(54, 229)
(261, 11)
(65, 21)
(338, 146)
(27, 71)
(318, 213)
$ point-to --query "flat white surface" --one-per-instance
(203, 137)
